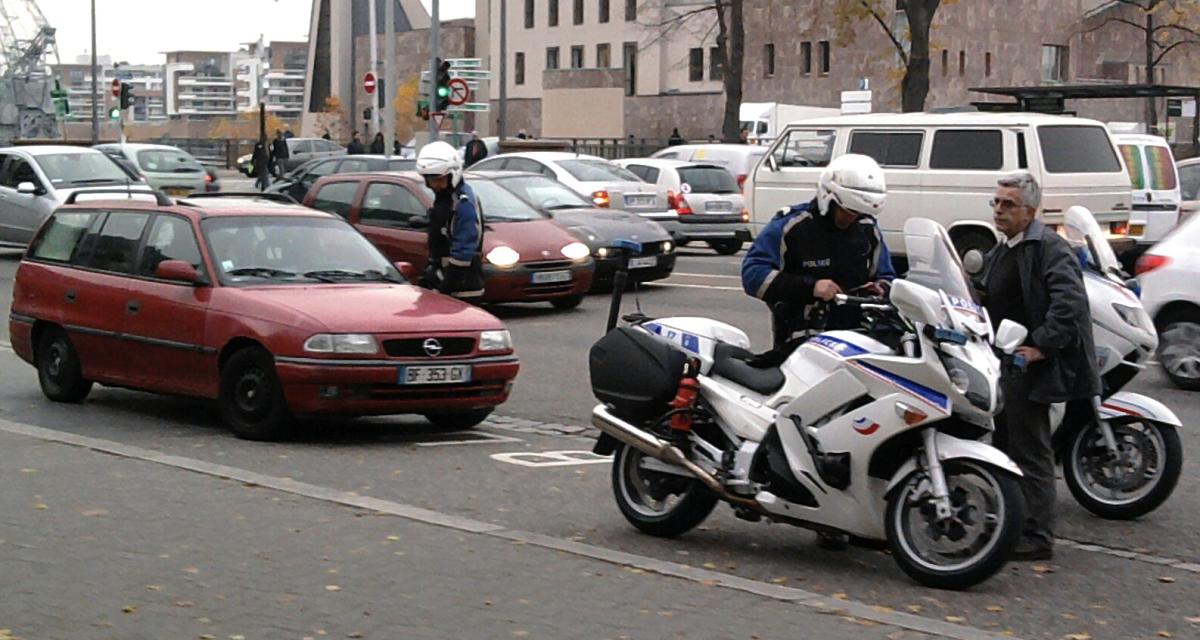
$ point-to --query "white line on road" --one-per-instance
(4, 346)
(667, 285)
(800, 597)
(704, 275)
(550, 458)
(477, 437)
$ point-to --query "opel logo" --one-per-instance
(432, 347)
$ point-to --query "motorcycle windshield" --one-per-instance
(933, 263)
(1083, 232)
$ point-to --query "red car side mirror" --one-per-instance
(408, 270)
(179, 271)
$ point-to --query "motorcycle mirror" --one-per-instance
(973, 261)
(1010, 335)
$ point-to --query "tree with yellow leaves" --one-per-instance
(332, 119)
(405, 105)
(244, 127)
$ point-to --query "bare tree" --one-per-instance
(1165, 25)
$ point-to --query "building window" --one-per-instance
(945, 62)
(806, 58)
(696, 65)
(552, 58)
(630, 11)
(715, 71)
(603, 56)
(553, 11)
(528, 14)
(823, 46)
(630, 51)
(962, 63)
(1054, 63)
(768, 60)
(578, 12)
(577, 57)
(519, 68)
(603, 11)
(987, 64)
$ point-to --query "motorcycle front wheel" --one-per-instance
(658, 503)
(969, 547)
(1134, 481)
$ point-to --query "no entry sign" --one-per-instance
(369, 82)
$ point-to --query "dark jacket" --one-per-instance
(476, 150)
(279, 149)
(377, 145)
(798, 247)
(355, 148)
(1056, 305)
(261, 160)
(455, 239)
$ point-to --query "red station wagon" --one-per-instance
(271, 309)
(527, 257)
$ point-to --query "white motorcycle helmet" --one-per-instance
(855, 182)
(440, 159)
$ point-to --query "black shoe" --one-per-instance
(1030, 553)
(832, 541)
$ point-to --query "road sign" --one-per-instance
(471, 106)
(459, 92)
(438, 117)
(369, 83)
(465, 63)
(116, 88)
(465, 74)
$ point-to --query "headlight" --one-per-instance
(960, 380)
(968, 381)
(576, 251)
(602, 252)
(668, 247)
(504, 256)
(341, 343)
(495, 341)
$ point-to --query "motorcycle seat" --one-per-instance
(729, 362)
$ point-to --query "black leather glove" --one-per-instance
(430, 278)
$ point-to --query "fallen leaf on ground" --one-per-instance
(1077, 636)
(995, 608)
(915, 608)
(520, 633)
(185, 604)
(41, 505)
(779, 580)
(709, 565)
(128, 608)
(840, 596)
(710, 583)
(155, 587)
(1164, 634)
(1195, 620)
(191, 570)
(635, 570)
(237, 637)
(28, 470)
(1166, 579)
(94, 513)
(332, 587)
(956, 619)
(882, 609)
(1043, 568)
(393, 538)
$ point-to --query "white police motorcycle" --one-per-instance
(876, 433)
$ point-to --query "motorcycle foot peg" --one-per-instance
(747, 514)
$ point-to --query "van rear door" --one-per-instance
(1156, 193)
(1078, 164)
(789, 175)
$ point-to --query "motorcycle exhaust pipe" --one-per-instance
(657, 448)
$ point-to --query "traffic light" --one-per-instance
(114, 113)
(423, 110)
(126, 96)
(443, 86)
(367, 113)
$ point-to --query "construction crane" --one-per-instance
(27, 41)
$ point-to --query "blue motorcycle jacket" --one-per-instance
(456, 241)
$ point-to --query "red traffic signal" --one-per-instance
(116, 88)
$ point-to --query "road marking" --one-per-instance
(667, 285)
(704, 275)
(551, 458)
(475, 437)
(799, 597)
(4, 346)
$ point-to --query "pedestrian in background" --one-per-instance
(377, 147)
(476, 150)
(675, 139)
(1034, 278)
(279, 153)
(262, 165)
(327, 136)
(744, 135)
(521, 135)
(397, 149)
(356, 146)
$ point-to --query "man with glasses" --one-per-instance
(1034, 278)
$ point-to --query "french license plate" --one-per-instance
(642, 263)
(545, 277)
(434, 374)
(718, 206)
(639, 201)
(177, 191)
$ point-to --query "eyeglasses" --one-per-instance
(1004, 204)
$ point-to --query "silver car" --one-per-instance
(34, 181)
(706, 203)
(168, 169)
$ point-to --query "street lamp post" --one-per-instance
(95, 83)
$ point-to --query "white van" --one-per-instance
(1155, 183)
(738, 159)
(945, 166)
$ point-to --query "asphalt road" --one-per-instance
(1109, 579)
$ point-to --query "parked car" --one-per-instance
(1189, 187)
(604, 183)
(271, 310)
(738, 159)
(299, 181)
(1156, 194)
(168, 169)
(599, 229)
(527, 258)
(706, 204)
(944, 166)
(300, 150)
(34, 181)
(1169, 274)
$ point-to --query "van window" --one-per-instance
(981, 150)
(1077, 149)
(805, 148)
(336, 197)
(889, 149)
(1160, 168)
(1133, 165)
(57, 243)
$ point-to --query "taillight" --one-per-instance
(741, 180)
(745, 215)
(601, 199)
(1149, 262)
(208, 177)
(679, 204)
(1119, 228)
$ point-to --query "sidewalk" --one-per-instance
(98, 546)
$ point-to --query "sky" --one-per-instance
(139, 31)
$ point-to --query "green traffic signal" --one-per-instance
(443, 91)
(114, 113)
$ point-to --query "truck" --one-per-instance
(764, 120)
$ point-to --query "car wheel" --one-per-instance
(726, 247)
(251, 398)
(59, 371)
(458, 421)
(569, 302)
(1179, 351)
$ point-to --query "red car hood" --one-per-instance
(534, 240)
(375, 308)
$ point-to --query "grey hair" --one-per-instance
(1031, 192)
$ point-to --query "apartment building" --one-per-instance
(149, 103)
(285, 78)
(201, 84)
